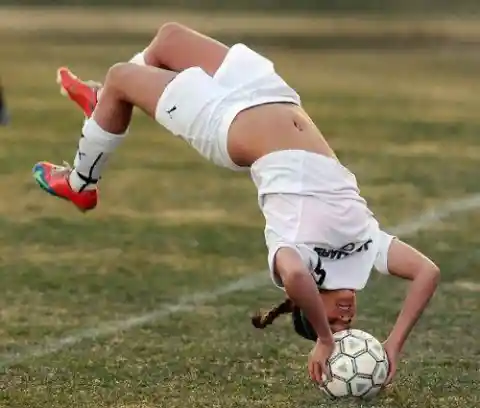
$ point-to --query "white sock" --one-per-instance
(94, 148)
(139, 59)
(99, 93)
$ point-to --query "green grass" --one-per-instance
(170, 224)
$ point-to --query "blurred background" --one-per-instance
(376, 6)
(145, 302)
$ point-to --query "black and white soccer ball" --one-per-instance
(359, 366)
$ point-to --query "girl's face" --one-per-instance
(341, 308)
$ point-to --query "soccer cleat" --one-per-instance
(54, 180)
(83, 93)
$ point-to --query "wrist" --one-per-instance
(395, 343)
(326, 339)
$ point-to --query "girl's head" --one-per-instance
(340, 307)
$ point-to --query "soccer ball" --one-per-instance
(359, 365)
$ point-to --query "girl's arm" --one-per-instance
(302, 290)
(407, 263)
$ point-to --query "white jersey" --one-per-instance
(312, 204)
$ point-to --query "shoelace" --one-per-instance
(65, 169)
(93, 84)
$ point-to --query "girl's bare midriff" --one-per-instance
(264, 129)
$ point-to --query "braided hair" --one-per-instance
(300, 322)
(262, 320)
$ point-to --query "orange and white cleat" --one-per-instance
(54, 180)
(83, 93)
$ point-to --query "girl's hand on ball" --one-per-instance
(393, 355)
(317, 361)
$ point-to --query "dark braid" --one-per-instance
(260, 321)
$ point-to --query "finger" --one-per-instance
(387, 387)
(311, 371)
(389, 378)
(326, 371)
(318, 373)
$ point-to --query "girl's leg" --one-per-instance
(129, 85)
(174, 47)
(177, 47)
(126, 85)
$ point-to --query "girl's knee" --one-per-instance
(116, 75)
(168, 30)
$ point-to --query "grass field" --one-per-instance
(138, 304)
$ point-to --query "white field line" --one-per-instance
(187, 303)
(466, 285)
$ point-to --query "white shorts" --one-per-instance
(200, 108)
